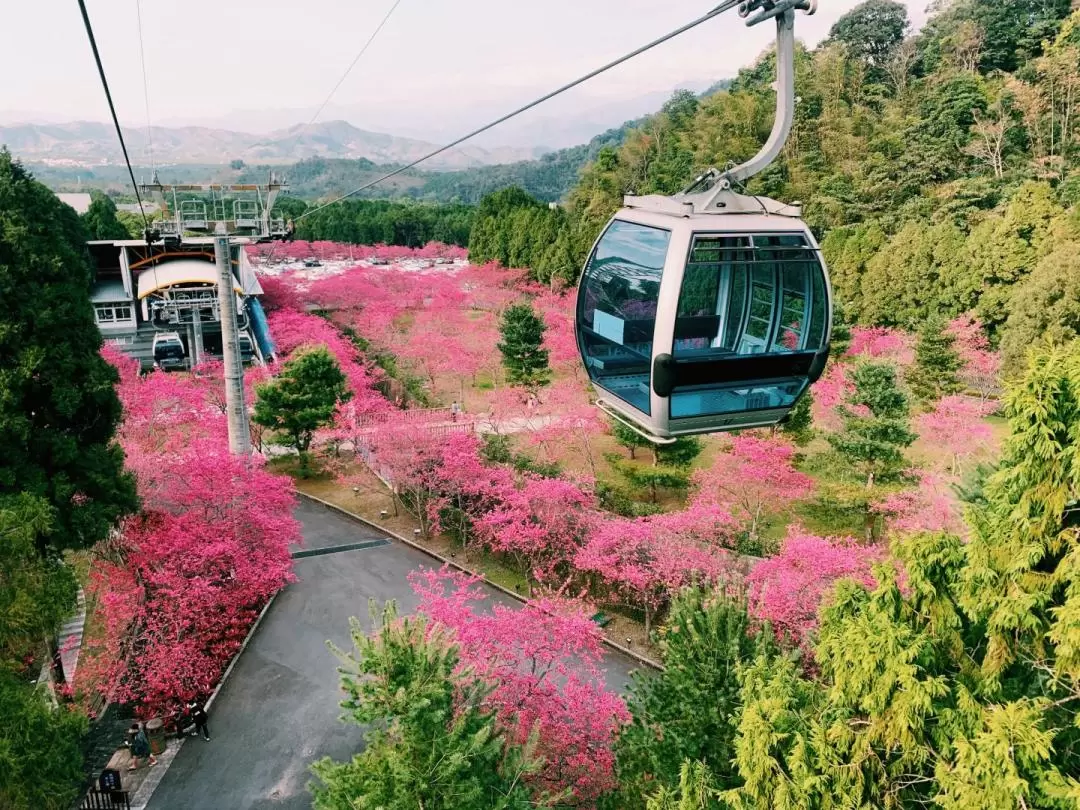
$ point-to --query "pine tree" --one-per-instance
(431, 742)
(876, 424)
(680, 453)
(687, 712)
(840, 341)
(628, 437)
(302, 399)
(799, 424)
(937, 363)
(525, 359)
(58, 406)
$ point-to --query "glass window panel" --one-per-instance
(617, 309)
(715, 400)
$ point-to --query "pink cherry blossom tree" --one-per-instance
(928, 506)
(981, 365)
(787, 590)
(754, 476)
(883, 343)
(543, 661)
(957, 425)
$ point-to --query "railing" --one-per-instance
(97, 799)
(408, 417)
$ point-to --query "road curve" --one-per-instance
(279, 712)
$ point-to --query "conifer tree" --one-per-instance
(524, 357)
(628, 437)
(957, 684)
(937, 363)
(687, 712)
(799, 424)
(58, 406)
(302, 399)
(431, 742)
(876, 423)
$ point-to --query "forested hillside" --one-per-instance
(940, 169)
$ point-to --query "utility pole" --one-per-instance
(239, 435)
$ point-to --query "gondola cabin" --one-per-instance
(703, 313)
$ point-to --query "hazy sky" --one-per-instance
(437, 66)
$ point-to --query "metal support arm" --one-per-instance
(785, 103)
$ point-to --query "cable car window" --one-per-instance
(617, 310)
(748, 295)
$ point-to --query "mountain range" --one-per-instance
(86, 143)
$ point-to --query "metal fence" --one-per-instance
(97, 799)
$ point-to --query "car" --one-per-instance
(169, 352)
(378, 260)
(312, 263)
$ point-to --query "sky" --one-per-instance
(437, 68)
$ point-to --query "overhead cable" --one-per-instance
(112, 109)
(145, 85)
(728, 4)
(348, 70)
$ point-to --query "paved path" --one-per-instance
(278, 711)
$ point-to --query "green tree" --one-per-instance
(58, 406)
(100, 219)
(937, 363)
(799, 425)
(431, 743)
(41, 762)
(957, 688)
(628, 437)
(871, 31)
(680, 453)
(687, 713)
(36, 593)
(302, 399)
(524, 357)
(876, 423)
(1045, 306)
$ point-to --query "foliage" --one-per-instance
(36, 594)
(799, 424)
(370, 222)
(524, 357)
(755, 476)
(687, 712)
(182, 582)
(937, 363)
(432, 741)
(680, 454)
(41, 762)
(542, 662)
(871, 33)
(955, 683)
(100, 219)
(302, 398)
(629, 438)
(876, 418)
(58, 410)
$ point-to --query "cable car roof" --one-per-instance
(714, 223)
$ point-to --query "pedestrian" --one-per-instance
(198, 716)
(140, 747)
(455, 409)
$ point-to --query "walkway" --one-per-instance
(278, 711)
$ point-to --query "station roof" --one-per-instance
(179, 271)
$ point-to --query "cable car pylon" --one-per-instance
(709, 310)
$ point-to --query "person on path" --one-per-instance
(455, 409)
(140, 747)
(198, 716)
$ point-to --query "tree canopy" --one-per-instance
(58, 408)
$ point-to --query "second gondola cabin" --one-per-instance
(703, 312)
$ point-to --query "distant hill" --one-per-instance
(89, 144)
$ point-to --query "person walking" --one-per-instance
(140, 747)
(198, 716)
(455, 409)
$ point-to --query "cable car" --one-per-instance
(708, 310)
